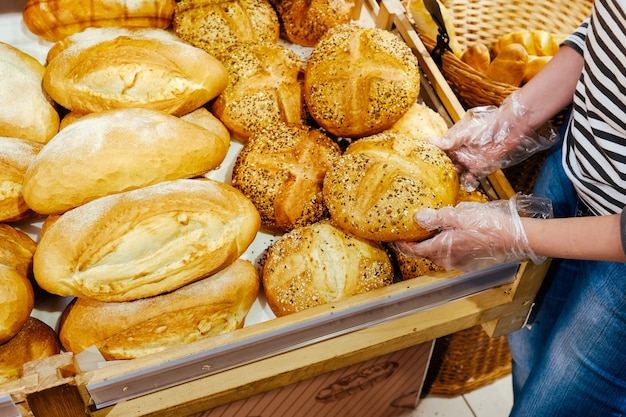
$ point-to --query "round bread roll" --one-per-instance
(16, 291)
(281, 170)
(15, 158)
(380, 182)
(119, 150)
(420, 122)
(53, 20)
(360, 81)
(264, 86)
(26, 110)
(205, 308)
(319, 264)
(35, 340)
(216, 25)
(305, 21)
(145, 242)
(110, 68)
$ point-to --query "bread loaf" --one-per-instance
(145, 242)
(320, 263)
(281, 170)
(15, 158)
(477, 56)
(420, 122)
(119, 150)
(26, 112)
(126, 330)
(35, 340)
(360, 81)
(53, 20)
(509, 66)
(375, 188)
(108, 68)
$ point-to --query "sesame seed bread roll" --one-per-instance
(127, 330)
(145, 242)
(53, 20)
(380, 182)
(109, 68)
(320, 263)
(359, 81)
(119, 150)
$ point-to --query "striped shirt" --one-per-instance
(594, 150)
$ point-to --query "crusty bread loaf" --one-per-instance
(119, 150)
(360, 81)
(420, 122)
(215, 25)
(509, 66)
(208, 307)
(320, 263)
(281, 170)
(303, 22)
(109, 68)
(15, 158)
(26, 112)
(264, 86)
(145, 242)
(16, 291)
(35, 340)
(53, 20)
(380, 182)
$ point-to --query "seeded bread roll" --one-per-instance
(26, 111)
(53, 20)
(319, 264)
(380, 182)
(145, 242)
(264, 86)
(109, 68)
(127, 330)
(215, 25)
(281, 170)
(119, 150)
(360, 81)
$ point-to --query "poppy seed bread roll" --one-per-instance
(145, 242)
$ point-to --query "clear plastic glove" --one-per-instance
(490, 138)
(474, 236)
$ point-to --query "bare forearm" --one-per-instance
(591, 238)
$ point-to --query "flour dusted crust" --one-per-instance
(109, 68)
(15, 158)
(264, 87)
(26, 112)
(215, 25)
(53, 20)
(360, 81)
(126, 330)
(380, 182)
(320, 263)
(145, 242)
(281, 170)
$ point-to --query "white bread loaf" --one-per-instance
(53, 20)
(108, 68)
(208, 307)
(119, 150)
(26, 112)
(16, 155)
(145, 242)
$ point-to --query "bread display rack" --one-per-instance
(275, 353)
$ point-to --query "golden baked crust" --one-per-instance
(380, 182)
(360, 81)
(108, 68)
(304, 22)
(281, 170)
(215, 25)
(145, 242)
(320, 263)
(35, 340)
(119, 150)
(205, 308)
(15, 158)
(53, 20)
(420, 122)
(264, 86)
